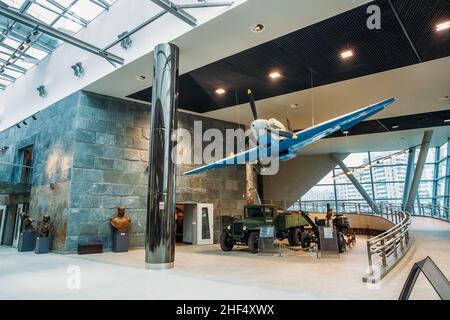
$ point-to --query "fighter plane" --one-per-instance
(289, 144)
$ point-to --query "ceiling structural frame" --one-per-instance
(38, 27)
(177, 10)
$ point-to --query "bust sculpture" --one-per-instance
(45, 227)
(120, 222)
(27, 223)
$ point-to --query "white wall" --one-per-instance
(20, 100)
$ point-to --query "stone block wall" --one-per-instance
(110, 160)
(94, 150)
(51, 136)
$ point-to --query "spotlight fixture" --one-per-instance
(42, 91)
(295, 106)
(447, 120)
(25, 123)
(141, 78)
(4, 149)
(34, 117)
(78, 69)
(221, 91)
(347, 54)
(395, 126)
(257, 28)
(346, 132)
(275, 75)
(18, 126)
(126, 41)
(443, 26)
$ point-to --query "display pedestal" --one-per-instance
(42, 245)
(120, 242)
(26, 241)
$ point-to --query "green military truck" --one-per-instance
(290, 225)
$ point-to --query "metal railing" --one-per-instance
(432, 211)
(383, 251)
(387, 249)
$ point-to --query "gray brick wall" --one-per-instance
(95, 148)
(51, 135)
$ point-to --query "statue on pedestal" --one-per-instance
(27, 223)
(120, 222)
(45, 227)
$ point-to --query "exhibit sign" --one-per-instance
(267, 232)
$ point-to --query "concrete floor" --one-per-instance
(208, 273)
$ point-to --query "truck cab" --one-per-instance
(245, 231)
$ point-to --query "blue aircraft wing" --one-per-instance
(289, 148)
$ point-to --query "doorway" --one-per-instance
(2, 222)
(26, 156)
(8, 225)
(195, 223)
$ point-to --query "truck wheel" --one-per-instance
(341, 243)
(225, 242)
(294, 237)
(253, 239)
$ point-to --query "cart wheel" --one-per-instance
(306, 241)
(341, 243)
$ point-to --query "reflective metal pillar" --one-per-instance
(356, 183)
(419, 170)
(160, 237)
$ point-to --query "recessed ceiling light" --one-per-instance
(346, 132)
(395, 126)
(221, 91)
(443, 26)
(257, 28)
(447, 120)
(446, 98)
(347, 54)
(275, 75)
(294, 106)
(141, 78)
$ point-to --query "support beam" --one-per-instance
(419, 170)
(160, 237)
(52, 32)
(176, 11)
(413, 47)
(205, 5)
(409, 176)
(355, 183)
(447, 178)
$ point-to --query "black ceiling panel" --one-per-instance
(409, 122)
(311, 56)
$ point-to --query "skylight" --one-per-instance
(69, 16)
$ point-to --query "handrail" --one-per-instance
(388, 248)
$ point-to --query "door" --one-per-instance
(27, 161)
(8, 227)
(190, 224)
(17, 225)
(205, 224)
(2, 222)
